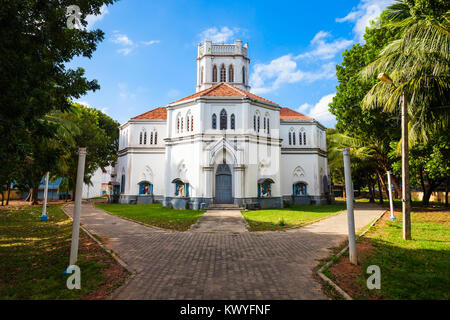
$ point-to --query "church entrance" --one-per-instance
(223, 184)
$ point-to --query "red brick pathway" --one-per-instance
(197, 265)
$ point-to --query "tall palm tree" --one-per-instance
(373, 154)
(418, 64)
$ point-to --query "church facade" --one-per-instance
(222, 144)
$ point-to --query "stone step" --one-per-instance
(224, 206)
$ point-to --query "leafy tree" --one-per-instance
(35, 45)
(428, 164)
(98, 133)
(365, 129)
(418, 64)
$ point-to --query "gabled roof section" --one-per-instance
(224, 89)
(289, 114)
(158, 113)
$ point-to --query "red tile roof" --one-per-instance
(224, 90)
(158, 113)
(289, 114)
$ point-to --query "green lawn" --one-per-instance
(295, 216)
(34, 254)
(154, 214)
(417, 269)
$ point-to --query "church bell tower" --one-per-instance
(222, 63)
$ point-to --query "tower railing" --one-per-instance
(224, 49)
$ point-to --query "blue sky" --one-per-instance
(147, 58)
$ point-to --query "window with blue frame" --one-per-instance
(265, 188)
(299, 189)
(181, 188)
(145, 188)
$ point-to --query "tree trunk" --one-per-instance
(34, 197)
(381, 192)
(427, 195)
(9, 193)
(430, 187)
(371, 190)
(446, 192)
(397, 189)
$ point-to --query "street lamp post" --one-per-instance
(350, 213)
(406, 194)
(44, 207)
(391, 204)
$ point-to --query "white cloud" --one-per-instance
(149, 43)
(320, 110)
(121, 39)
(218, 35)
(325, 50)
(269, 77)
(366, 11)
(124, 40)
(304, 108)
(92, 19)
(125, 51)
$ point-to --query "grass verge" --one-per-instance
(154, 214)
(416, 269)
(34, 254)
(287, 218)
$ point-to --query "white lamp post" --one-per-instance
(77, 209)
(44, 208)
(391, 202)
(350, 214)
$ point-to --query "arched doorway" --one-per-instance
(223, 184)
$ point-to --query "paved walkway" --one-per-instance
(221, 221)
(198, 265)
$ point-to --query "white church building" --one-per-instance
(222, 145)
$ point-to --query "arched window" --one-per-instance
(151, 138)
(290, 138)
(188, 128)
(223, 74)
(293, 138)
(268, 126)
(201, 75)
(145, 188)
(264, 124)
(156, 137)
(243, 75)
(231, 73)
(122, 184)
(254, 122)
(214, 75)
(258, 124)
(140, 138)
(145, 137)
(299, 189)
(232, 122)
(304, 138)
(223, 120)
(178, 124)
(192, 123)
(214, 121)
(181, 128)
(300, 139)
